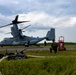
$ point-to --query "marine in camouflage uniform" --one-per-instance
(54, 46)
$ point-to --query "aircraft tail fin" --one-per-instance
(50, 34)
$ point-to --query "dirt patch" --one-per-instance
(73, 47)
(3, 58)
(33, 56)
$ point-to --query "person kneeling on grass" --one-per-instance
(54, 46)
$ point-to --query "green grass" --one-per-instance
(47, 53)
(39, 66)
(61, 63)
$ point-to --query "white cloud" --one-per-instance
(44, 19)
(9, 2)
(15, 2)
(73, 20)
(41, 20)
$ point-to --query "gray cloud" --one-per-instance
(43, 14)
(54, 7)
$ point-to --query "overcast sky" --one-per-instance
(43, 14)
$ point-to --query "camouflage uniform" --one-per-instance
(54, 47)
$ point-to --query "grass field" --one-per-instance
(61, 63)
(47, 53)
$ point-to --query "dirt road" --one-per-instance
(33, 48)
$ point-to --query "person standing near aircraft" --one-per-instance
(44, 43)
(54, 46)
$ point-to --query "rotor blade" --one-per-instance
(16, 19)
(14, 22)
(6, 25)
(17, 22)
(22, 21)
(25, 27)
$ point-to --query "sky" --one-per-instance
(43, 15)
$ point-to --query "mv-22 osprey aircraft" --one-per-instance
(20, 39)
